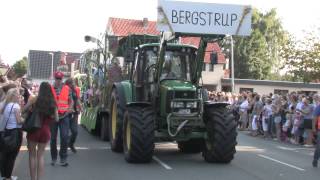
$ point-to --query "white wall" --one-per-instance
(214, 77)
(264, 89)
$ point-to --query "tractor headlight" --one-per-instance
(177, 105)
(192, 104)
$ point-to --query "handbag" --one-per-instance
(9, 139)
(32, 122)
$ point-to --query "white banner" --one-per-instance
(204, 18)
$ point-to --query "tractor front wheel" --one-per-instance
(138, 134)
(220, 145)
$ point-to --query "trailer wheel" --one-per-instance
(221, 130)
(138, 134)
(104, 134)
(191, 146)
(116, 123)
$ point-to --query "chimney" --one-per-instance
(145, 22)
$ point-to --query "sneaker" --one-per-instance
(308, 145)
(64, 163)
(14, 178)
(315, 163)
(53, 162)
(73, 149)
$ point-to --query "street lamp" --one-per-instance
(232, 64)
(51, 77)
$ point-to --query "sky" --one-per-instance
(60, 25)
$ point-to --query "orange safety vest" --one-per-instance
(62, 100)
(318, 122)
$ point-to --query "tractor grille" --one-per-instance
(181, 95)
(178, 95)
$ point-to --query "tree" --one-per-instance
(20, 67)
(302, 58)
(257, 56)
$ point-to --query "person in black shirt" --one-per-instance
(76, 110)
(26, 90)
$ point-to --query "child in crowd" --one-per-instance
(266, 117)
(297, 119)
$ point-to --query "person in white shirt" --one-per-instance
(266, 117)
(13, 122)
(244, 113)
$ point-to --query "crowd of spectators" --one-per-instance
(286, 118)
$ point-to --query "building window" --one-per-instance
(211, 67)
(245, 90)
(204, 67)
(281, 92)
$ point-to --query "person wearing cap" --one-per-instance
(63, 96)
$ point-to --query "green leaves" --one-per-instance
(271, 49)
(302, 58)
(257, 56)
(20, 67)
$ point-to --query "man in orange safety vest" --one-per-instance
(64, 102)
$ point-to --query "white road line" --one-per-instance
(162, 163)
(294, 149)
(292, 166)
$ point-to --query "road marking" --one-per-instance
(249, 149)
(292, 166)
(25, 148)
(293, 149)
(162, 163)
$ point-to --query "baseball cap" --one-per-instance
(58, 75)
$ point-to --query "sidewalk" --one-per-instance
(287, 142)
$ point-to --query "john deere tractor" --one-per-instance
(162, 100)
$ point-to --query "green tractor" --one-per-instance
(162, 100)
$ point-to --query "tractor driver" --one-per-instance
(167, 69)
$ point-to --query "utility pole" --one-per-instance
(51, 77)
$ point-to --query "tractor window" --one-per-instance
(135, 74)
(176, 66)
(151, 57)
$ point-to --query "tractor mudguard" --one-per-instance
(209, 104)
(141, 104)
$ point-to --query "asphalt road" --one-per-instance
(256, 159)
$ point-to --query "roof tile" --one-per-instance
(212, 47)
(124, 27)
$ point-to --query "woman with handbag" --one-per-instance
(46, 106)
(13, 121)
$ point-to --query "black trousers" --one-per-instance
(73, 129)
(8, 158)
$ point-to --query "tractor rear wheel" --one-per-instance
(191, 146)
(138, 137)
(116, 123)
(220, 145)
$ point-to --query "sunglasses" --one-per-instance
(58, 78)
